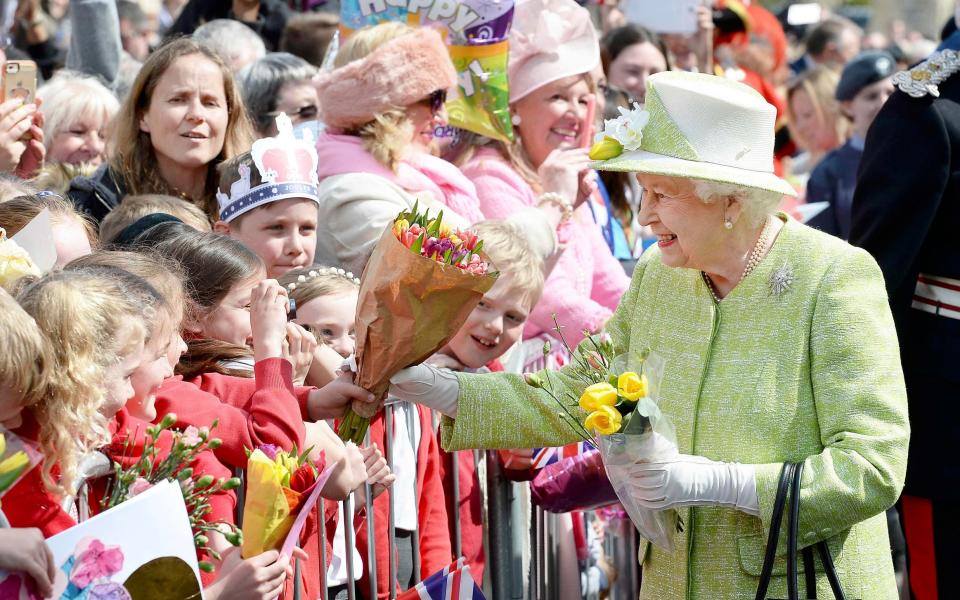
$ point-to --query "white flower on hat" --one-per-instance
(628, 127)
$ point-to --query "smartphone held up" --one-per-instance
(20, 80)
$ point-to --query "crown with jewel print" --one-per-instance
(286, 167)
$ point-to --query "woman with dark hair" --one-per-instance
(630, 55)
(279, 83)
(182, 117)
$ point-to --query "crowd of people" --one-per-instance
(206, 165)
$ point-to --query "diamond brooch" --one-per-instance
(781, 280)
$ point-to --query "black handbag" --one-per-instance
(789, 488)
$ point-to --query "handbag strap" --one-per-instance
(793, 524)
(809, 572)
(830, 570)
(773, 538)
(809, 566)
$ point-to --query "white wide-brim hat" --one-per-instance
(704, 127)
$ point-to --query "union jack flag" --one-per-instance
(547, 456)
(450, 583)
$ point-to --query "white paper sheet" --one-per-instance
(663, 16)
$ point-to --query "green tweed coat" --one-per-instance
(759, 378)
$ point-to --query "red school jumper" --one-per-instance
(435, 552)
(264, 409)
(30, 504)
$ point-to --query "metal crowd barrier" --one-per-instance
(522, 564)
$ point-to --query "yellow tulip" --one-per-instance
(605, 420)
(606, 149)
(3, 444)
(632, 386)
(14, 463)
(597, 395)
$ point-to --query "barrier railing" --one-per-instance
(523, 561)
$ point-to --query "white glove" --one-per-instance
(694, 481)
(427, 385)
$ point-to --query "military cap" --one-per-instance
(865, 68)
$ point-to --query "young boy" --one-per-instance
(864, 86)
(268, 200)
(493, 327)
(497, 322)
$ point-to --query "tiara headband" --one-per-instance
(320, 272)
(287, 167)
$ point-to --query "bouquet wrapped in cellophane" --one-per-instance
(419, 286)
(623, 421)
(278, 486)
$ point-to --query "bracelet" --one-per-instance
(560, 202)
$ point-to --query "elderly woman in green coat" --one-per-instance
(778, 346)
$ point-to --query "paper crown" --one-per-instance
(287, 167)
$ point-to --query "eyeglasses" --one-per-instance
(437, 99)
(307, 113)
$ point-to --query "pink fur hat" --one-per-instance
(397, 74)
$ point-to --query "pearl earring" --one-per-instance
(728, 224)
(515, 119)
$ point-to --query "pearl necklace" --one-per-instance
(755, 257)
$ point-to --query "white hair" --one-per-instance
(237, 44)
(70, 96)
(757, 204)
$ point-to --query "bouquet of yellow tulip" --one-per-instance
(279, 485)
(623, 419)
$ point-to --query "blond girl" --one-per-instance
(95, 324)
(24, 368)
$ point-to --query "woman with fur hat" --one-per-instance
(778, 347)
(553, 50)
(381, 105)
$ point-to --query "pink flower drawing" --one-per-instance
(94, 561)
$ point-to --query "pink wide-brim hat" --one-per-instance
(550, 40)
(395, 75)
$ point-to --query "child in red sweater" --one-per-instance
(95, 324)
(130, 423)
(326, 304)
(24, 369)
(223, 275)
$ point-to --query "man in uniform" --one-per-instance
(906, 213)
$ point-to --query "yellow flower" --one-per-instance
(3, 444)
(605, 420)
(597, 395)
(606, 149)
(399, 226)
(632, 386)
(14, 262)
(14, 463)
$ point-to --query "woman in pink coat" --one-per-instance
(553, 50)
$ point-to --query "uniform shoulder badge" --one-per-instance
(925, 78)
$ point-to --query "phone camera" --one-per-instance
(13, 68)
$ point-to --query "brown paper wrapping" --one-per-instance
(409, 307)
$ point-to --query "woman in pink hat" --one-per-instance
(381, 105)
(553, 49)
